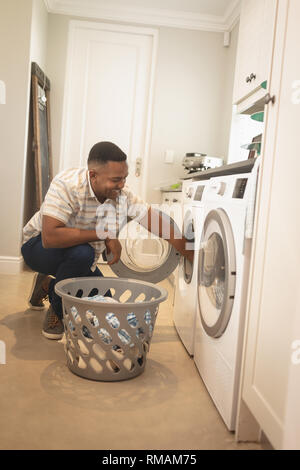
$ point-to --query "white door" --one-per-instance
(108, 94)
(271, 370)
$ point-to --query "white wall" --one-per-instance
(39, 30)
(22, 39)
(192, 96)
(15, 25)
(230, 59)
(192, 101)
(57, 40)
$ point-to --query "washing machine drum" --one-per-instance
(216, 273)
(144, 256)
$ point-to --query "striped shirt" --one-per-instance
(71, 200)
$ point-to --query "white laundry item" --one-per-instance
(112, 320)
(101, 298)
(92, 318)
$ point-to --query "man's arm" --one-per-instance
(56, 235)
(163, 228)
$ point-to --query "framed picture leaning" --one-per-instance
(41, 131)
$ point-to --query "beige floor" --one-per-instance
(44, 406)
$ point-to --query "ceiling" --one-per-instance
(207, 15)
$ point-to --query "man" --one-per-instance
(63, 239)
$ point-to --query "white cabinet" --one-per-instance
(271, 364)
(256, 33)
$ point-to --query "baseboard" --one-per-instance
(11, 264)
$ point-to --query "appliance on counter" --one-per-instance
(194, 162)
(223, 274)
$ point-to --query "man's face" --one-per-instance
(107, 180)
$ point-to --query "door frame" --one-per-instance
(154, 33)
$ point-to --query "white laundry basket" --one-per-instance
(108, 341)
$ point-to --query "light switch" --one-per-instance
(169, 156)
(2, 93)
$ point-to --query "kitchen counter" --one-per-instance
(170, 190)
(231, 169)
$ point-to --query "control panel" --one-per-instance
(240, 188)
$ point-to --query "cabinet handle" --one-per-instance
(250, 78)
(175, 200)
(269, 98)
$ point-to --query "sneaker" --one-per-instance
(53, 327)
(38, 292)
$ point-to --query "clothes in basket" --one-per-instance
(90, 315)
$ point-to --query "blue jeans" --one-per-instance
(62, 263)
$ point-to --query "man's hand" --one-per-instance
(165, 228)
(113, 246)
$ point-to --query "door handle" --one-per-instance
(269, 98)
(138, 167)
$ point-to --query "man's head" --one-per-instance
(108, 170)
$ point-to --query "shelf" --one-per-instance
(254, 103)
(256, 107)
(255, 146)
(232, 169)
(170, 190)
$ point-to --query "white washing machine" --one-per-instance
(223, 269)
(185, 302)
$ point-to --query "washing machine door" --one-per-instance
(216, 273)
(188, 231)
(144, 256)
